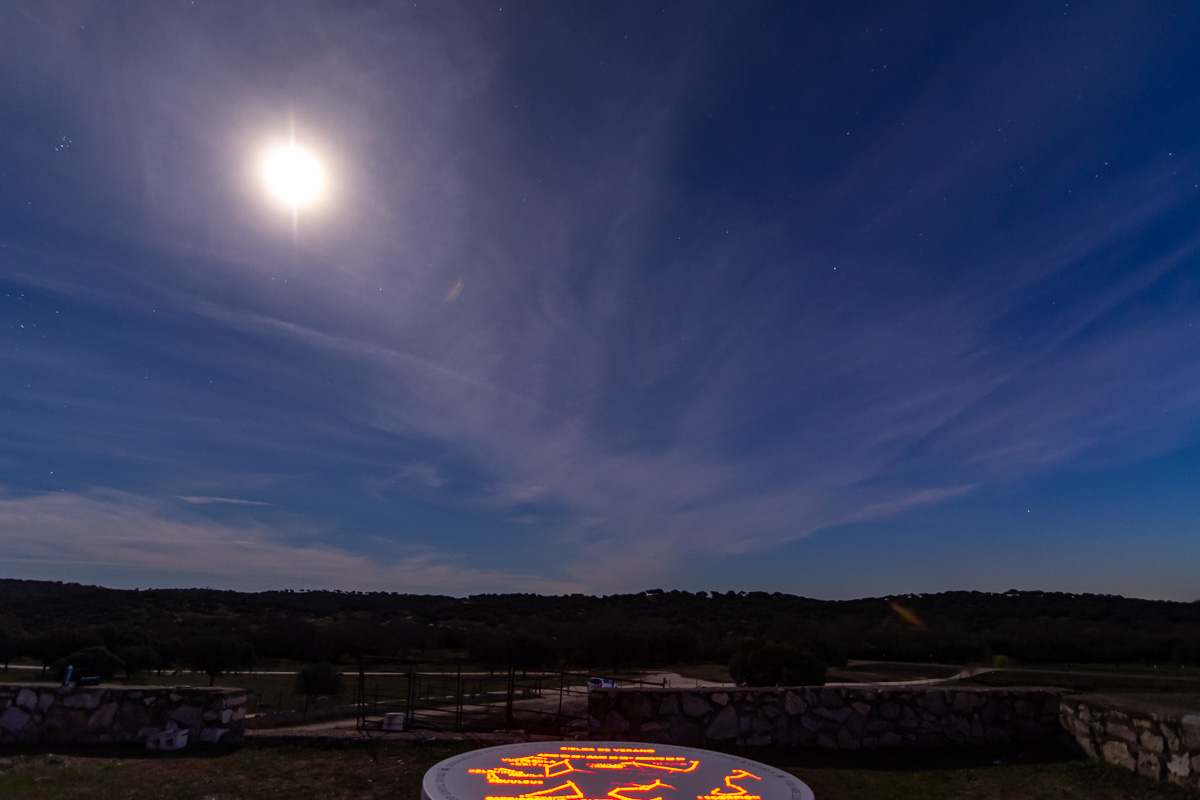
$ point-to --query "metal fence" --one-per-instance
(446, 696)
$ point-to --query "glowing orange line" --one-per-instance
(506, 775)
(575, 791)
(555, 764)
(736, 775)
(643, 765)
(616, 794)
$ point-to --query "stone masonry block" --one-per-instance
(793, 704)
(13, 719)
(85, 699)
(695, 706)
(966, 702)
(1119, 731)
(724, 727)
(102, 718)
(838, 715)
(186, 716)
(615, 723)
(1189, 728)
(27, 699)
(1150, 765)
(635, 706)
(1118, 753)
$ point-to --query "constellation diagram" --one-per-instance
(604, 773)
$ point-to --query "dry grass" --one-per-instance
(966, 774)
(1188, 701)
(395, 771)
(875, 672)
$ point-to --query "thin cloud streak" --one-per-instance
(116, 531)
(233, 501)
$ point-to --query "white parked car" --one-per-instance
(601, 683)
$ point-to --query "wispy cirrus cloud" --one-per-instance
(628, 336)
(114, 533)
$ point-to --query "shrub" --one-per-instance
(216, 655)
(89, 661)
(139, 658)
(771, 664)
(315, 679)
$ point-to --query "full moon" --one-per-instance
(292, 175)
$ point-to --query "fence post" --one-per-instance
(508, 714)
(409, 699)
(562, 682)
(362, 694)
(458, 696)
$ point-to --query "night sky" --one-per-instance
(836, 299)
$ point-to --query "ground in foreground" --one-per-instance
(388, 770)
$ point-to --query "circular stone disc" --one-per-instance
(606, 771)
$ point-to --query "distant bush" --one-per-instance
(215, 655)
(139, 658)
(55, 644)
(318, 679)
(88, 662)
(771, 664)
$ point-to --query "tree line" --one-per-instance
(212, 631)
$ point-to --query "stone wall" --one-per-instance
(34, 713)
(836, 718)
(1159, 742)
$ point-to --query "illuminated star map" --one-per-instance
(606, 771)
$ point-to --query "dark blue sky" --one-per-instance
(834, 299)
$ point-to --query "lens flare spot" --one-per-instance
(908, 615)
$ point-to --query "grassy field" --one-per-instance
(1123, 684)
(878, 672)
(1189, 701)
(861, 673)
(266, 692)
(395, 771)
(1161, 670)
(704, 672)
(272, 693)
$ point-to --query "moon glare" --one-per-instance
(293, 175)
